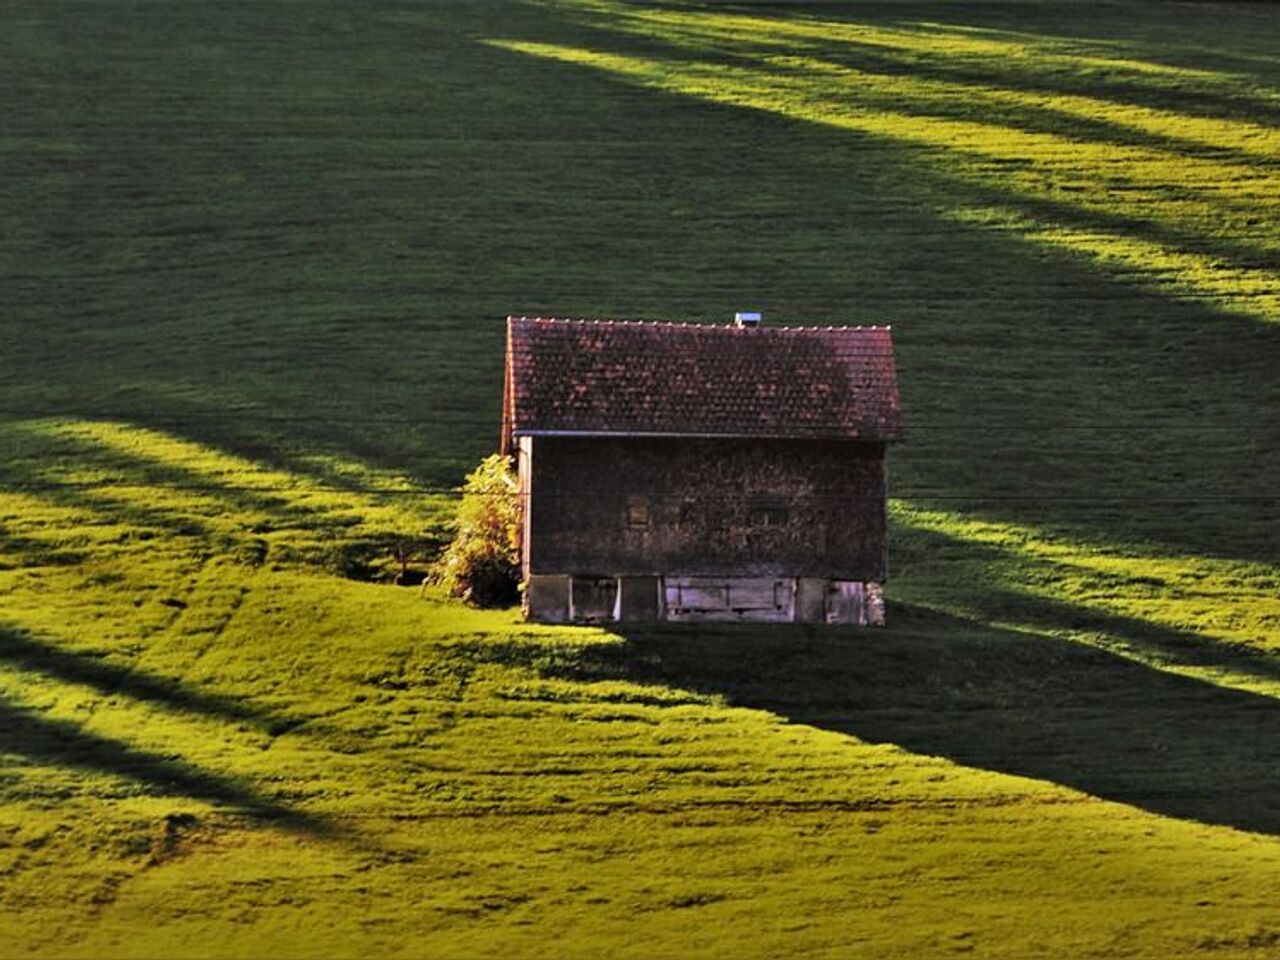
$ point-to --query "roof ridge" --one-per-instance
(681, 378)
(686, 324)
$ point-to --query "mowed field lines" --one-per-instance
(254, 265)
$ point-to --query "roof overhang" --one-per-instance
(673, 435)
(600, 379)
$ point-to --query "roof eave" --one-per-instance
(701, 435)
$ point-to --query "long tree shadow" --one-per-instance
(1016, 702)
(989, 583)
(1104, 46)
(1003, 343)
(19, 648)
(64, 744)
(1151, 642)
(232, 516)
(1017, 351)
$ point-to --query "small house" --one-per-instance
(673, 471)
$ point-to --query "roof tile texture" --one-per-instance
(673, 378)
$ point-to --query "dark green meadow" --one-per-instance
(254, 265)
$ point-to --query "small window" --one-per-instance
(767, 511)
(637, 513)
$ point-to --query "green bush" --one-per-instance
(482, 563)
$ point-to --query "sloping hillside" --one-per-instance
(254, 264)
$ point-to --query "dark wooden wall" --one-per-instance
(723, 507)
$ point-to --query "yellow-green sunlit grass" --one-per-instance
(159, 450)
(488, 786)
(1237, 289)
(1187, 199)
(1218, 599)
(792, 87)
(1233, 288)
(1176, 191)
(174, 526)
(478, 819)
(1023, 55)
(125, 465)
(255, 260)
(1219, 135)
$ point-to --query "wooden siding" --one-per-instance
(710, 507)
(759, 599)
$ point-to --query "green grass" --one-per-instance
(254, 260)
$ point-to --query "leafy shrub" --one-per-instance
(482, 563)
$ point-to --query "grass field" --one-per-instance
(254, 264)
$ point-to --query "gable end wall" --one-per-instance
(726, 507)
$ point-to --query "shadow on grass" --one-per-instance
(1015, 702)
(1151, 642)
(64, 744)
(1054, 359)
(20, 649)
(981, 582)
(232, 517)
(1001, 339)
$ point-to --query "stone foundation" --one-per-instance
(565, 598)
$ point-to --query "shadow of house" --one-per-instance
(1015, 702)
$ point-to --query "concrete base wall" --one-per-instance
(639, 599)
(546, 599)
(811, 600)
(565, 598)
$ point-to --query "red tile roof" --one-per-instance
(607, 377)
